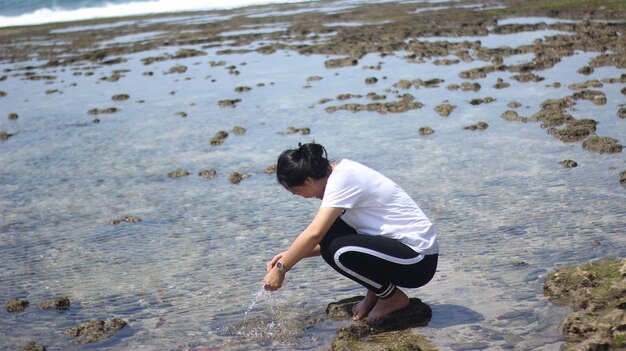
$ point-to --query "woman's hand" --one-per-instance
(273, 280)
(273, 261)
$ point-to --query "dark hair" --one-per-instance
(294, 166)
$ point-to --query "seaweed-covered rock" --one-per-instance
(208, 173)
(13, 116)
(426, 131)
(238, 130)
(406, 103)
(5, 135)
(444, 109)
(390, 333)
(100, 111)
(236, 177)
(120, 97)
(341, 62)
(90, 332)
(602, 144)
(294, 130)
(32, 346)
(484, 100)
(621, 113)
(568, 163)
(178, 173)
(218, 138)
(60, 303)
(16, 305)
(229, 102)
(574, 130)
(477, 126)
(622, 177)
(597, 292)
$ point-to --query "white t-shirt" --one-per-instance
(375, 205)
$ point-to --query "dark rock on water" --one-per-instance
(229, 102)
(236, 177)
(13, 116)
(568, 163)
(597, 293)
(294, 130)
(574, 130)
(238, 130)
(445, 109)
(97, 111)
(218, 138)
(16, 305)
(90, 332)
(126, 218)
(622, 177)
(32, 346)
(60, 303)
(485, 100)
(621, 113)
(120, 97)
(477, 126)
(208, 173)
(342, 62)
(5, 135)
(602, 144)
(390, 333)
(426, 131)
(406, 103)
(178, 173)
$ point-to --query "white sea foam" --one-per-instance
(52, 15)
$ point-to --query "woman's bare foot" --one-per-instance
(361, 309)
(384, 307)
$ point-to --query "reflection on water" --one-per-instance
(192, 267)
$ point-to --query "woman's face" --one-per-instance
(310, 188)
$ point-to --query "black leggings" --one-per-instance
(376, 262)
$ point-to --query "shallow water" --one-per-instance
(193, 266)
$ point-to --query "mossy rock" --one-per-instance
(597, 292)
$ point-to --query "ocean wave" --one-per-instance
(54, 15)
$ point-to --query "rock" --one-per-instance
(60, 303)
(621, 113)
(371, 80)
(426, 131)
(477, 126)
(96, 111)
(341, 62)
(208, 173)
(177, 69)
(32, 346)
(514, 104)
(623, 91)
(218, 138)
(568, 163)
(444, 109)
(404, 104)
(90, 332)
(242, 89)
(229, 103)
(313, 78)
(622, 179)
(586, 85)
(574, 130)
(602, 144)
(376, 97)
(236, 177)
(16, 305)
(178, 174)
(595, 96)
(181, 114)
(120, 97)
(501, 84)
(238, 130)
(2, 93)
(596, 290)
(485, 100)
(130, 219)
(527, 77)
(294, 130)
(5, 135)
(270, 169)
(585, 70)
(13, 116)
(466, 86)
(390, 333)
(513, 116)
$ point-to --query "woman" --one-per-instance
(367, 229)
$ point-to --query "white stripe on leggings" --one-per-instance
(403, 261)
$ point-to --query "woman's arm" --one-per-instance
(315, 252)
(305, 245)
